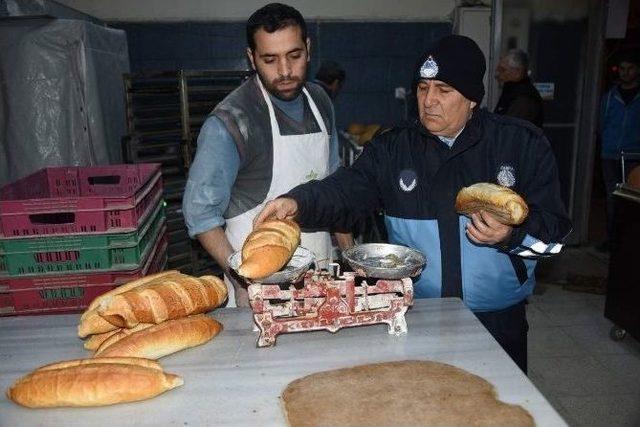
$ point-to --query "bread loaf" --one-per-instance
(94, 342)
(146, 363)
(508, 207)
(169, 274)
(268, 248)
(163, 339)
(166, 299)
(91, 384)
(92, 323)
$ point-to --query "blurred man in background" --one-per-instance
(620, 128)
(519, 97)
(331, 77)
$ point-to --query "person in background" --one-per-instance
(415, 172)
(620, 128)
(272, 133)
(331, 77)
(519, 98)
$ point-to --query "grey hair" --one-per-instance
(517, 58)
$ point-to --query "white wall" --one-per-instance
(240, 10)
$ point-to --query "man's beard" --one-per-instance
(272, 86)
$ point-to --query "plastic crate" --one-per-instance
(72, 293)
(73, 200)
(42, 255)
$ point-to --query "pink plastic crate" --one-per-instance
(72, 200)
(72, 293)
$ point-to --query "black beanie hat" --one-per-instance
(459, 62)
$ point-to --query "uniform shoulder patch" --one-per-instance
(506, 176)
(408, 180)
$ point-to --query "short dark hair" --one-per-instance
(518, 58)
(628, 55)
(274, 17)
(330, 71)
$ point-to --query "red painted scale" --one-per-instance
(322, 301)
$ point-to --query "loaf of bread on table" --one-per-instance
(166, 299)
(163, 339)
(504, 203)
(268, 248)
(95, 341)
(92, 323)
(92, 382)
(145, 363)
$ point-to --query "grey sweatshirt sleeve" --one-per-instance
(211, 177)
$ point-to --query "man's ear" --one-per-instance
(250, 56)
(308, 43)
(472, 105)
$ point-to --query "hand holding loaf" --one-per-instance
(268, 248)
(502, 202)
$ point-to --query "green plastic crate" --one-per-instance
(81, 253)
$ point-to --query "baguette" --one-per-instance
(507, 205)
(268, 248)
(90, 384)
(92, 323)
(96, 341)
(164, 339)
(165, 300)
(130, 285)
(145, 363)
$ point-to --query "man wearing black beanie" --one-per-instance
(415, 172)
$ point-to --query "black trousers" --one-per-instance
(509, 327)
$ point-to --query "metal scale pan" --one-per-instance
(385, 261)
(297, 266)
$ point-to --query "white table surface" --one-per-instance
(229, 381)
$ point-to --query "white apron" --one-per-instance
(296, 160)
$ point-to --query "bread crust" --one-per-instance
(507, 205)
(90, 384)
(163, 300)
(164, 339)
(268, 248)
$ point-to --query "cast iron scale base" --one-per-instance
(323, 301)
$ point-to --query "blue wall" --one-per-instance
(378, 57)
(557, 51)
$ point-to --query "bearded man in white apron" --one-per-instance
(272, 133)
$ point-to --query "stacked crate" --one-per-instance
(69, 234)
(165, 111)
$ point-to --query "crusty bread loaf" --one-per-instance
(94, 342)
(268, 248)
(131, 285)
(146, 363)
(508, 207)
(166, 299)
(163, 339)
(91, 384)
(92, 323)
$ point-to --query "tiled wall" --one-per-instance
(378, 57)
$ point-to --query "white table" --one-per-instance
(229, 381)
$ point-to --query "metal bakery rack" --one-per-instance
(165, 111)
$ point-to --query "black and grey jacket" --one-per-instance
(415, 178)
